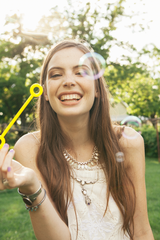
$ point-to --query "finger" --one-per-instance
(7, 161)
(3, 153)
(8, 181)
(10, 177)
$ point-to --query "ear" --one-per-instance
(45, 93)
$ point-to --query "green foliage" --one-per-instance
(21, 57)
(150, 140)
(134, 85)
(11, 138)
(94, 25)
(16, 77)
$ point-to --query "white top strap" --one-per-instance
(35, 137)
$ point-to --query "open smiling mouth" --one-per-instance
(70, 97)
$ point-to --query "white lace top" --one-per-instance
(91, 223)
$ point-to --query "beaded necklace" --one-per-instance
(84, 166)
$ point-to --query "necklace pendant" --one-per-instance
(84, 191)
(87, 200)
(83, 182)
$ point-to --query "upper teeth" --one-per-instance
(70, 96)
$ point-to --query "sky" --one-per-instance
(34, 9)
(150, 18)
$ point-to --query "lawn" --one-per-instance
(15, 222)
(14, 219)
(153, 195)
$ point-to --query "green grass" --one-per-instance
(15, 222)
(153, 195)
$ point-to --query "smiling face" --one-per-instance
(69, 93)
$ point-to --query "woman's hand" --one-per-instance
(13, 174)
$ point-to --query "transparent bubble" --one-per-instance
(97, 63)
(131, 120)
(134, 122)
(119, 156)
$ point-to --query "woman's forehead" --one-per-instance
(66, 57)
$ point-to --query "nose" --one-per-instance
(69, 82)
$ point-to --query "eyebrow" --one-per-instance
(77, 66)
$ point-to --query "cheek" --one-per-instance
(51, 89)
(91, 93)
(89, 85)
(93, 90)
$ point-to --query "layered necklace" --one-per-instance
(83, 165)
(89, 165)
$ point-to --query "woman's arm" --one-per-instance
(46, 221)
(135, 165)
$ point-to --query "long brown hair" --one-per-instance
(54, 167)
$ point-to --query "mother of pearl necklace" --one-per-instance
(82, 166)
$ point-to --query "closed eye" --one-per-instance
(84, 72)
(56, 75)
(78, 73)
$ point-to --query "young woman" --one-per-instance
(67, 172)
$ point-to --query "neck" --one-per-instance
(78, 131)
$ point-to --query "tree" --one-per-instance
(22, 47)
(130, 79)
(94, 25)
(19, 69)
(138, 83)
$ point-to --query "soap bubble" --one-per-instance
(96, 60)
(131, 121)
(119, 156)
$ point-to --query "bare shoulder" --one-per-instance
(132, 145)
(131, 139)
(26, 149)
(133, 148)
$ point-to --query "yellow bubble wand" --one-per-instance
(33, 94)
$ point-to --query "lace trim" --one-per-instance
(92, 225)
